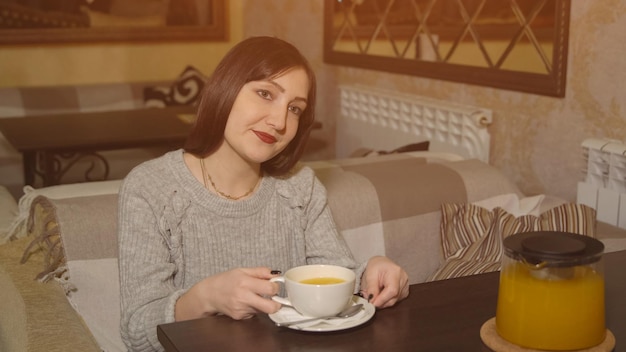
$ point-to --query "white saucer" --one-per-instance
(286, 314)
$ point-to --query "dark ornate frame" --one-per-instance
(551, 84)
(215, 31)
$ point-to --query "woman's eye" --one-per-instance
(296, 110)
(264, 94)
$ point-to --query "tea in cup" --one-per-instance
(317, 290)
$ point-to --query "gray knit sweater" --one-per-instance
(173, 233)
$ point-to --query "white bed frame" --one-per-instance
(385, 120)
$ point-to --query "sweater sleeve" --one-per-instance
(147, 264)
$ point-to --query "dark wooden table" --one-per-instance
(438, 316)
(44, 140)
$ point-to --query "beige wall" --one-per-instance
(37, 65)
(536, 140)
(299, 22)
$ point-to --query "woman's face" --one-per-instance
(265, 115)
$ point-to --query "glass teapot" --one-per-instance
(551, 293)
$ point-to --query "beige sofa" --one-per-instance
(65, 236)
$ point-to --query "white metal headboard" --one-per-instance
(385, 120)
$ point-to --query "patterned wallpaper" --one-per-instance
(536, 140)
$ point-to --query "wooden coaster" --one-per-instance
(490, 337)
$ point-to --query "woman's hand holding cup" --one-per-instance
(239, 293)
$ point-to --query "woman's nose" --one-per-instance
(277, 118)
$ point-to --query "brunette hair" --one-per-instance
(253, 59)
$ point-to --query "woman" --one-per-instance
(201, 229)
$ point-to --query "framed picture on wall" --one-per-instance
(88, 21)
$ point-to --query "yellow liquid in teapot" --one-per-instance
(551, 313)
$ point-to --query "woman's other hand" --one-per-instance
(384, 283)
(239, 293)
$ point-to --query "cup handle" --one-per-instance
(282, 300)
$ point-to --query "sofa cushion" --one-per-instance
(36, 316)
(48, 100)
(8, 211)
(20, 227)
(79, 236)
(390, 204)
(613, 237)
(471, 235)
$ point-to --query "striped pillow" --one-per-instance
(472, 236)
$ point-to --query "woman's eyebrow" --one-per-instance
(300, 99)
(278, 86)
(282, 90)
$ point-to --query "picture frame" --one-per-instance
(425, 64)
(210, 26)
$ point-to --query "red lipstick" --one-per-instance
(265, 137)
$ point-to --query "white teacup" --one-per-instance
(317, 290)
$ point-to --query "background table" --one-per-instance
(44, 140)
(437, 316)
